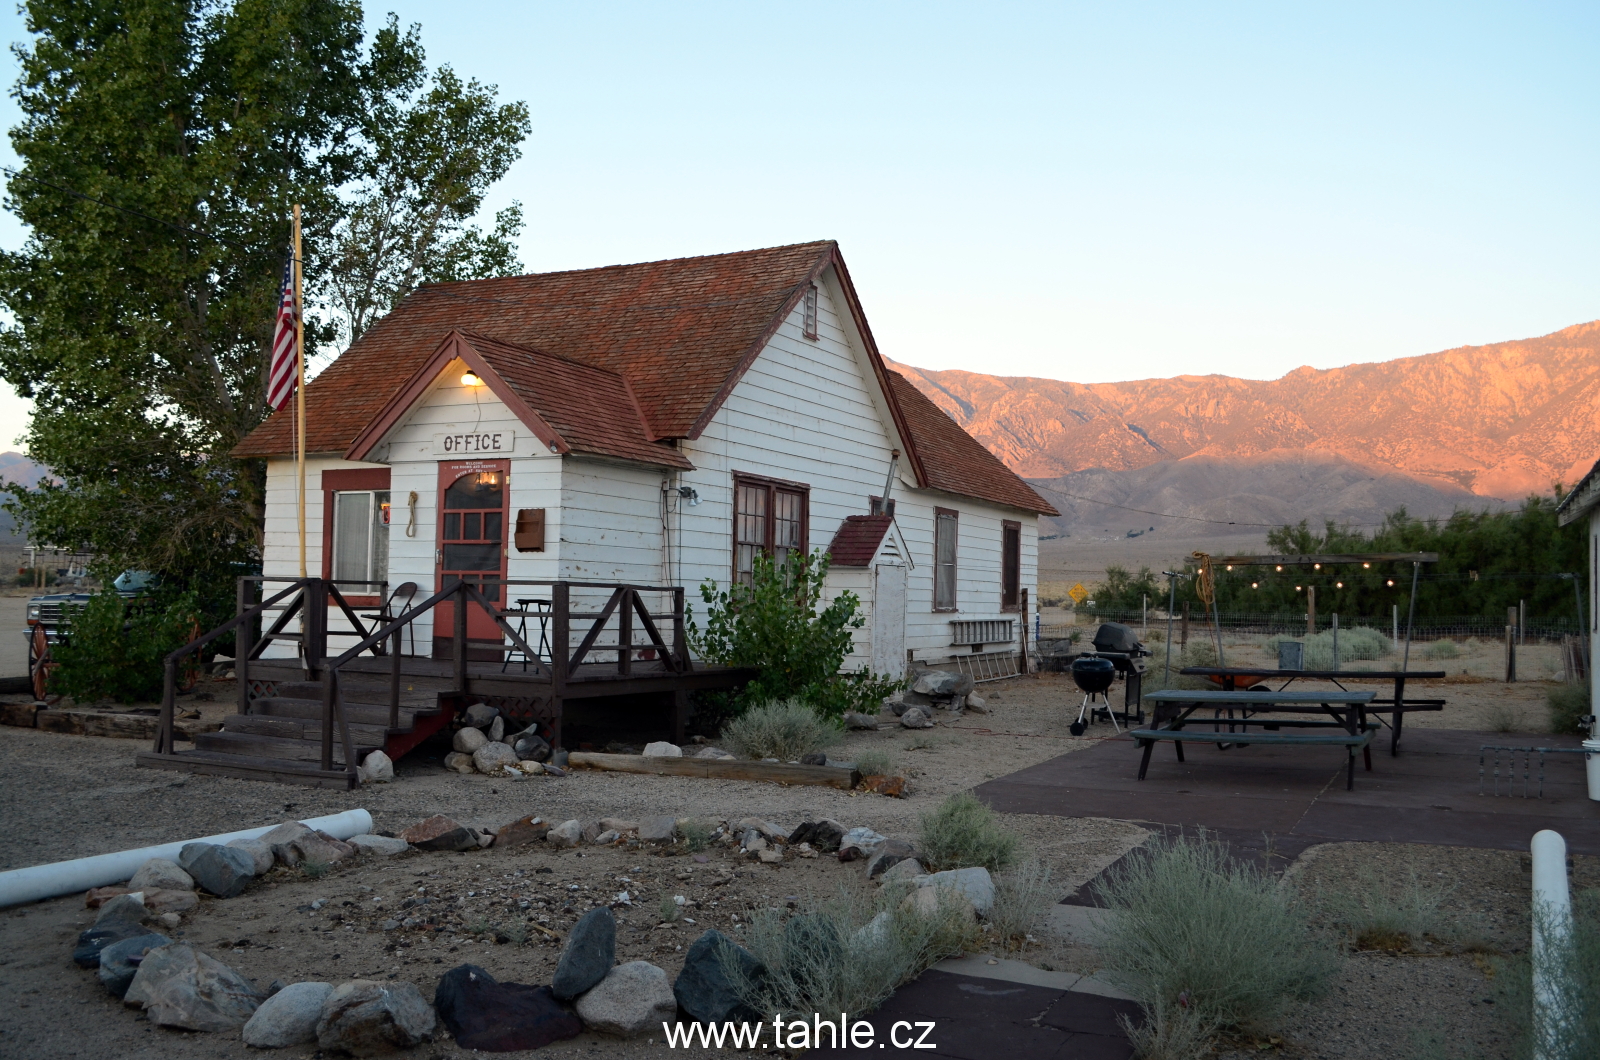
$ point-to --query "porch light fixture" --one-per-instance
(471, 379)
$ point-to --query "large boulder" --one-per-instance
(468, 740)
(853, 720)
(658, 829)
(493, 757)
(889, 854)
(703, 988)
(943, 683)
(480, 716)
(823, 835)
(522, 831)
(364, 1018)
(260, 853)
(973, 884)
(633, 998)
(440, 833)
(288, 1017)
(219, 870)
(662, 749)
(916, 718)
(179, 986)
(496, 1017)
(565, 834)
(590, 951)
(86, 954)
(377, 767)
(119, 962)
(159, 874)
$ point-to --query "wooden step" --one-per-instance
(368, 691)
(305, 728)
(362, 713)
(248, 767)
(258, 746)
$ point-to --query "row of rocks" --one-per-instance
(482, 745)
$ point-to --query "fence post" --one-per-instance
(625, 632)
(1023, 602)
(1335, 628)
(1395, 637)
(1183, 630)
(1311, 610)
(1511, 644)
(244, 643)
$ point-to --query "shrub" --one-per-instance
(783, 730)
(1575, 977)
(1021, 897)
(777, 625)
(671, 911)
(846, 955)
(1380, 914)
(875, 763)
(115, 648)
(697, 833)
(962, 833)
(1197, 935)
(1442, 649)
(1569, 704)
(1200, 651)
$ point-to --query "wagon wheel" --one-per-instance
(40, 665)
(189, 670)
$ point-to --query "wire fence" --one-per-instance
(1439, 627)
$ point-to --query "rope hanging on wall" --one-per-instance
(1205, 587)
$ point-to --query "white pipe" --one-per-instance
(39, 882)
(1552, 934)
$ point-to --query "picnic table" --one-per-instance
(1395, 707)
(1349, 727)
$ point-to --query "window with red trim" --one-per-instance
(1010, 565)
(769, 517)
(945, 526)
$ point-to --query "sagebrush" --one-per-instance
(1021, 898)
(875, 763)
(964, 833)
(1569, 704)
(1381, 913)
(1573, 1030)
(785, 730)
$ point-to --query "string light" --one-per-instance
(1391, 583)
(1338, 585)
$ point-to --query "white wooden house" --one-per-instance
(656, 424)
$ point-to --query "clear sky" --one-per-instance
(1081, 191)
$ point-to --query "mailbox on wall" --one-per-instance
(530, 530)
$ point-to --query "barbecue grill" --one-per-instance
(1120, 646)
(1094, 675)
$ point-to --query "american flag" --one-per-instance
(281, 376)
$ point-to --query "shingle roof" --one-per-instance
(956, 462)
(857, 539)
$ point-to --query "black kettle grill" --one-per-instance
(1117, 652)
(1094, 675)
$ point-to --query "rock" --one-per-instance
(492, 757)
(926, 900)
(590, 951)
(288, 1017)
(875, 932)
(658, 829)
(974, 884)
(86, 954)
(916, 718)
(633, 998)
(320, 848)
(260, 853)
(460, 761)
(943, 683)
(530, 767)
(565, 834)
(171, 921)
(824, 835)
(480, 716)
(159, 874)
(364, 1018)
(753, 842)
(703, 989)
(522, 831)
(894, 787)
(162, 903)
(495, 1017)
(863, 841)
(129, 907)
(497, 730)
(383, 846)
(468, 740)
(914, 699)
(378, 768)
(815, 758)
(854, 720)
(279, 839)
(178, 986)
(977, 704)
(118, 965)
(889, 853)
(662, 749)
(897, 706)
(774, 832)
(530, 745)
(95, 897)
(903, 871)
(440, 833)
(770, 856)
(592, 829)
(714, 752)
(219, 870)
(618, 824)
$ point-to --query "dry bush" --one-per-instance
(1569, 703)
(1021, 898)
(784, 729)
(963, 833)
(1385, 914)
(1442, 649)
(875, 763)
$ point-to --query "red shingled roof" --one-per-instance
(613, 361)
(857, 539)
(956, 462)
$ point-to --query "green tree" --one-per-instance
(162, 144)
(1122, 591)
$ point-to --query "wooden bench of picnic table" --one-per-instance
(1347, 708)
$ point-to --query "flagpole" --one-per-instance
(300, 392)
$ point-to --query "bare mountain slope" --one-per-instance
(1501, 420)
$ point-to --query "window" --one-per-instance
(769, 517)
(944, 559)
(809, 318)
(360, 539)
(1010, 565)
(875, 507)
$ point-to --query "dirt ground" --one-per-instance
(67, 797)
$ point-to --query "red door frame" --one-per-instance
(480, 627)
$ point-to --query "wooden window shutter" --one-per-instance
(530, 530)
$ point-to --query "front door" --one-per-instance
(889, 620)
(472, 548)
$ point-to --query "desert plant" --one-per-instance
(924, 741)
(1574, 975)
(115, 648)
(1387, 914)
(515, 934)
(1442, 649)
(697, 833)
(315, 869)
(1193, 932)
(1569, 704)
(783, 729)
(875, 763)
(843, 955)
(671, 909)
(1170, 1031)
(1503, 717)
(1021, 897)
(961, 833)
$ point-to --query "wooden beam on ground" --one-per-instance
(719, 768)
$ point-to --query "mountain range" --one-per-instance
(1494, 422)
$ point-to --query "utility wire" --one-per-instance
(1190, 518)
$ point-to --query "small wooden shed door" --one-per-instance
(889, 619)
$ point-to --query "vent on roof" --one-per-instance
(809, 322)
